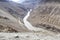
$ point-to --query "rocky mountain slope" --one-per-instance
(46, 16)
(10, 14)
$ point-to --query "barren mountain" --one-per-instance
(10, 14)
(46, 16)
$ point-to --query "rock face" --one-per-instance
(46, 14)
(13, 8)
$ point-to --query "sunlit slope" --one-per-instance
(11, 13)
(46, 16)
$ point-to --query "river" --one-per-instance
(28, 25)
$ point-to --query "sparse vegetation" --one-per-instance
(48, 27)
(5, 28)
(1, 17)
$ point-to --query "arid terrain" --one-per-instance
(17, 22)
(10, 16)
(46, 16)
